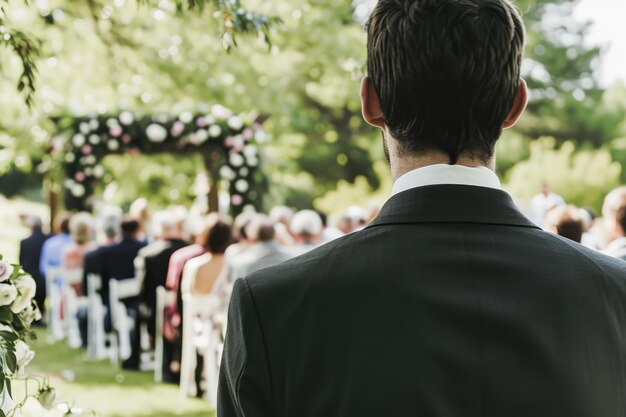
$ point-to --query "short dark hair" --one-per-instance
(567, 221)
(130, 226)
(219, 237)
(446, 72)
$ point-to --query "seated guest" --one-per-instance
(152, 265)
(201, 273)
(614, 212)
(30, 257)
(306, 229)
(117, 262)
(281, 216)
(52, 250)
(200, 276)
(82, 233)
(565, 221)
(264, 251)
(110, 230)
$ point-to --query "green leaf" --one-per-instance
(2, 379)
(9, 388)
(6, 315)
(11, 362)
(8, 336)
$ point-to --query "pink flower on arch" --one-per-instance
(229, 142)
(80, 176)
(86, 150)
(236, 199)
(126, 138)
(115, 131)
(202, 122)
(248, 134)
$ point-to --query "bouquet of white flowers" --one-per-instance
(17, 312)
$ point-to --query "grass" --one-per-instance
(12, 230)
(102, 387)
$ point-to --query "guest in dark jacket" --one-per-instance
(30, 256)
(117, 262)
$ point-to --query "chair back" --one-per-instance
(53, 303)
(195, 307)
(72, 276)
(164, 298)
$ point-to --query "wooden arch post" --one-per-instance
(212, 165)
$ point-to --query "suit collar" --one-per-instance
(451, 204)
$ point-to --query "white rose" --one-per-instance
(30, 314)
(156, 133)
(23, 354)
(6, 270)
(235, 123)
(215, 131)
(8, 293)
(26, 288)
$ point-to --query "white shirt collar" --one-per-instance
(446, 174)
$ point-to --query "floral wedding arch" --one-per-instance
(226, 141)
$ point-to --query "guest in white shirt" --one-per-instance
(543, 202)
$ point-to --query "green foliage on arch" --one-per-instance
(228, 143)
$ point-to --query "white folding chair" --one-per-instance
(213, 355)
(53, 303)
(96, 336)
(121, 323)
(197, 311)
(164, 299)
(71, 304)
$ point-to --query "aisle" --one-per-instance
(111, 392)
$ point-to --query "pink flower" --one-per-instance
(201, 122)
(80, 176)
(126, 138)
(6, 270)
(86, 149)
(115, 131)
(229, 142)
(248, 134)
(236, 199)
(177, 128)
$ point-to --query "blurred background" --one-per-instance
(70, 60)
(105, 57)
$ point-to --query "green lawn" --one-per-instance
(100, 386)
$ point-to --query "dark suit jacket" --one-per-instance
(156, 258)
(451, 303)
(30, 257)
(30, 253)
(117, 261)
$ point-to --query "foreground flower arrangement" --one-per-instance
(17, 312)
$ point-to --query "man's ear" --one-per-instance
(521, 99)
(370, 104)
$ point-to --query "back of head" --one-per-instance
(614, 209)
(261, 229)
(306, 223)
(218, 234)
(281, 214)
(62, 223)
(34, 222)
(164, 224)
(566, 221)
(111, 226)
(81, 228)
(240, 224)
(446, 72)
(130, 227)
